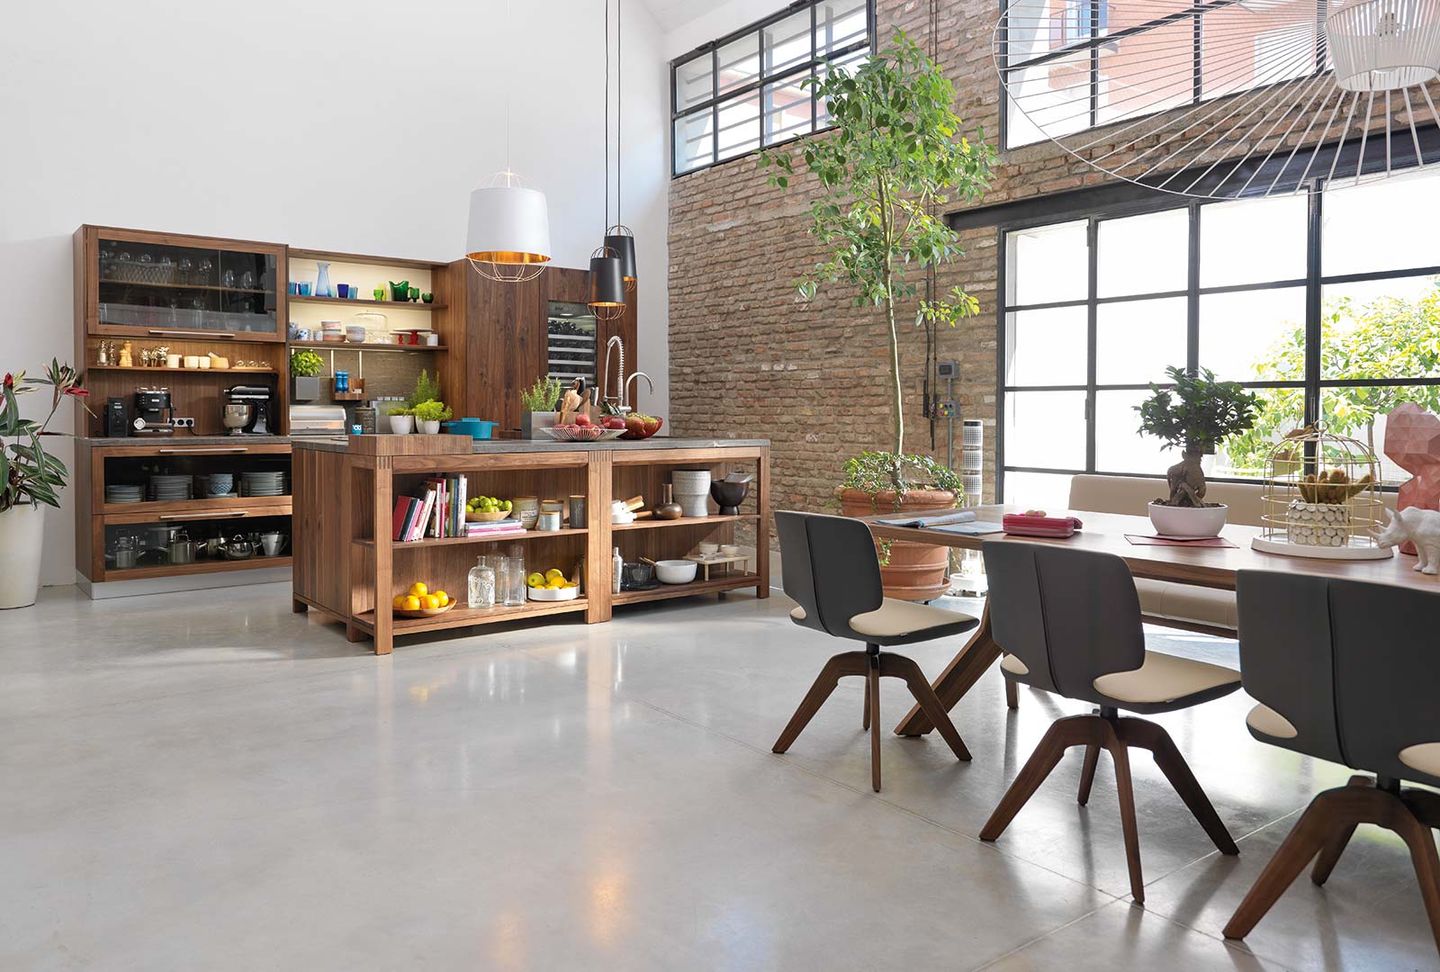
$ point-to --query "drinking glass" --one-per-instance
(514, 580)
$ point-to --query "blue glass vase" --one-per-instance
(322, 281)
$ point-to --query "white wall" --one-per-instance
(719, 20)
(355, 125)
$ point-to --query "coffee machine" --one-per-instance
(153, 413)
(248, 410)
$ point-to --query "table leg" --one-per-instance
(964, 670)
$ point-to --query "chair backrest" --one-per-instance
(1069, 615)
(828, 566)
(1352, 666)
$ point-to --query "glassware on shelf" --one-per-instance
(482, 585)
(247, 280)
(227, 279)
(514, 579)
(322, 280)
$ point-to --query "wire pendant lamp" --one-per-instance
(618, 236)
(1228, 98)
(607, 280)
(508, 235)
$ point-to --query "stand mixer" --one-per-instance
(247, 410)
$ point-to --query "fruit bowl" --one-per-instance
(554, 593)
(475, 516)
(575, 433)
(424, 612)
(642, 426)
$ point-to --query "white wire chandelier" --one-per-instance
(1227, 98)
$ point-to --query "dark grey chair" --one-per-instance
(829, 569)
(1348, 672)
(1069, 622)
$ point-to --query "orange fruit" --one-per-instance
(430, 601)
(412, 603)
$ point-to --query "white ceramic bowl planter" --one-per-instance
(429, 427)
(402, 424)
(1187, 522)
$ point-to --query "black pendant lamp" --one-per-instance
(620, 237)
(607, 276)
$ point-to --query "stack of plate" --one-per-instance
(122, 493)
(164, 488)
(264, 483)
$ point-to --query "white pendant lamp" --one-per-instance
(508, 236)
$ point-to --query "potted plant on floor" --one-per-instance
(893, 160)
(429, 415)
(1193, 416)
(539, 406)
(30, 480)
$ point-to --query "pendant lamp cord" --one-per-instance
(619, 104)
(607, 118)
(509, 32)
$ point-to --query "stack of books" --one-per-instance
(438, 510)
(496, 530)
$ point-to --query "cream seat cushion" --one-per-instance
(1266, 720)
(1164, 678)
(1425, 757)
(896, 619)
(1014, 665)
(1186, 602)
(797, 613)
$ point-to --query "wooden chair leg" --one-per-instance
(872, 682)
(1329, 855)
(1125, 789)
(899, 666)
(1062, 734)
(1087, 772)
(1012, 694)
(1152, 736)
(845, 663)
(865, 719)
(1421, 842)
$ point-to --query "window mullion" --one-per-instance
(1192, 298)
(1313, 305)
(1092, 312)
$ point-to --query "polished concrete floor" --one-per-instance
(206, 781)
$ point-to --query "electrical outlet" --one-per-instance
(181, 422)
(945, 410)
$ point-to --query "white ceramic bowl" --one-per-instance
(675, 571)
(1187, 522)
(730, 549)
(706, 549)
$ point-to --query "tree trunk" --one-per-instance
(1187, 480)
(895, 374)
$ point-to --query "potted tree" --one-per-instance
(1193, 416)
(894, 158)
(30, 480)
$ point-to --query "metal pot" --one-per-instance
(159, 535)
(182, 549)
(635, 577)
(239, 548)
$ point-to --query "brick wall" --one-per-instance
(747, 360)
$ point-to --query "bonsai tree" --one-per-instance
(1193, 416)
(894, 158)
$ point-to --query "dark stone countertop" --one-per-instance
(499, 446)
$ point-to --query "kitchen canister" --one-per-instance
(549, 521)
(526, 509)
(577, 512)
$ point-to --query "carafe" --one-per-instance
(322, 280)
(482, 585)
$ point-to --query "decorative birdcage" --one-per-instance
(1321, 498)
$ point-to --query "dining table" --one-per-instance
(1178, 562)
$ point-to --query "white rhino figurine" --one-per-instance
(1421, 527)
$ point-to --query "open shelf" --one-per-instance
(666, 591)
(351, 346)
(452, 541)
(653, 523)
(367, 302)
(184, 371)
(464, 617)
(366, 258)
(199, 567)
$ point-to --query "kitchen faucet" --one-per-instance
(620, 378)
(625, 389)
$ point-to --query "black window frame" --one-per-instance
(817, 61)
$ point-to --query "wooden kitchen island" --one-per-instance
(349, 571)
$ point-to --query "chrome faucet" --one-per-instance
(620, 378)
(625, 400)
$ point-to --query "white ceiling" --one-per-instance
(674, 13)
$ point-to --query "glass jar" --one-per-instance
(482, 585)
(514, 579)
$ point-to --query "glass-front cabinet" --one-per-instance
(141, 284)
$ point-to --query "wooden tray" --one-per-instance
(424, 612)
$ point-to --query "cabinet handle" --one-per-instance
(202, 515)
(226, 450)
(207, 335)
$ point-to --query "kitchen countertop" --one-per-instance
(181, 440)
(483, 446)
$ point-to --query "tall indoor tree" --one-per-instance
(894, 159)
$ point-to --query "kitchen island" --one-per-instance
(349, 571)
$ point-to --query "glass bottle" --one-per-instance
(482, 585)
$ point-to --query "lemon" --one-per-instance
(553, 574)
(412, 603)
(556, 583)
(418, 589)
(399, 601)
(430, 602)
(535, 580)
(442, 597)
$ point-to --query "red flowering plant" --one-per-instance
(29, 474)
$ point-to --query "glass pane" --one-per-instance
(194, 288)
(1147, 72)
(694, 82)
(1144, 254)
(1048, 263)
(1281, 410)
(1045, 347)
(839, 23)
(739, 122)
(1038, 491)
(1045, 429)
(1252, 241)
(1375, 227)
(739, 64)
(1119, 446)
(1136, 340)
(694, 145)
(787, 43)
(1246, 46)
(1032, 28)
(1359, 412)
(787, 108)
(1047, 99)
(1381, 329)
(1254, 335)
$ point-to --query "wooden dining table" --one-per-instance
(1201, 566)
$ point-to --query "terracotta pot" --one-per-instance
(915, 571)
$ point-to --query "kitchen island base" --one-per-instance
(349, 572)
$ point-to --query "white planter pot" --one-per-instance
(402, 424)
(22, 530)
(429, 428)
(1188, 522)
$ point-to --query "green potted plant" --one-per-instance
(402, 420)
(30, 479)
(306, 367)
(429, 415)
(893, 161)
(539, 406)
(1193, 416)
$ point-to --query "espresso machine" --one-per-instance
(154, 415)
(248, 410)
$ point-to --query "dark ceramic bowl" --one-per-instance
(729, 495)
